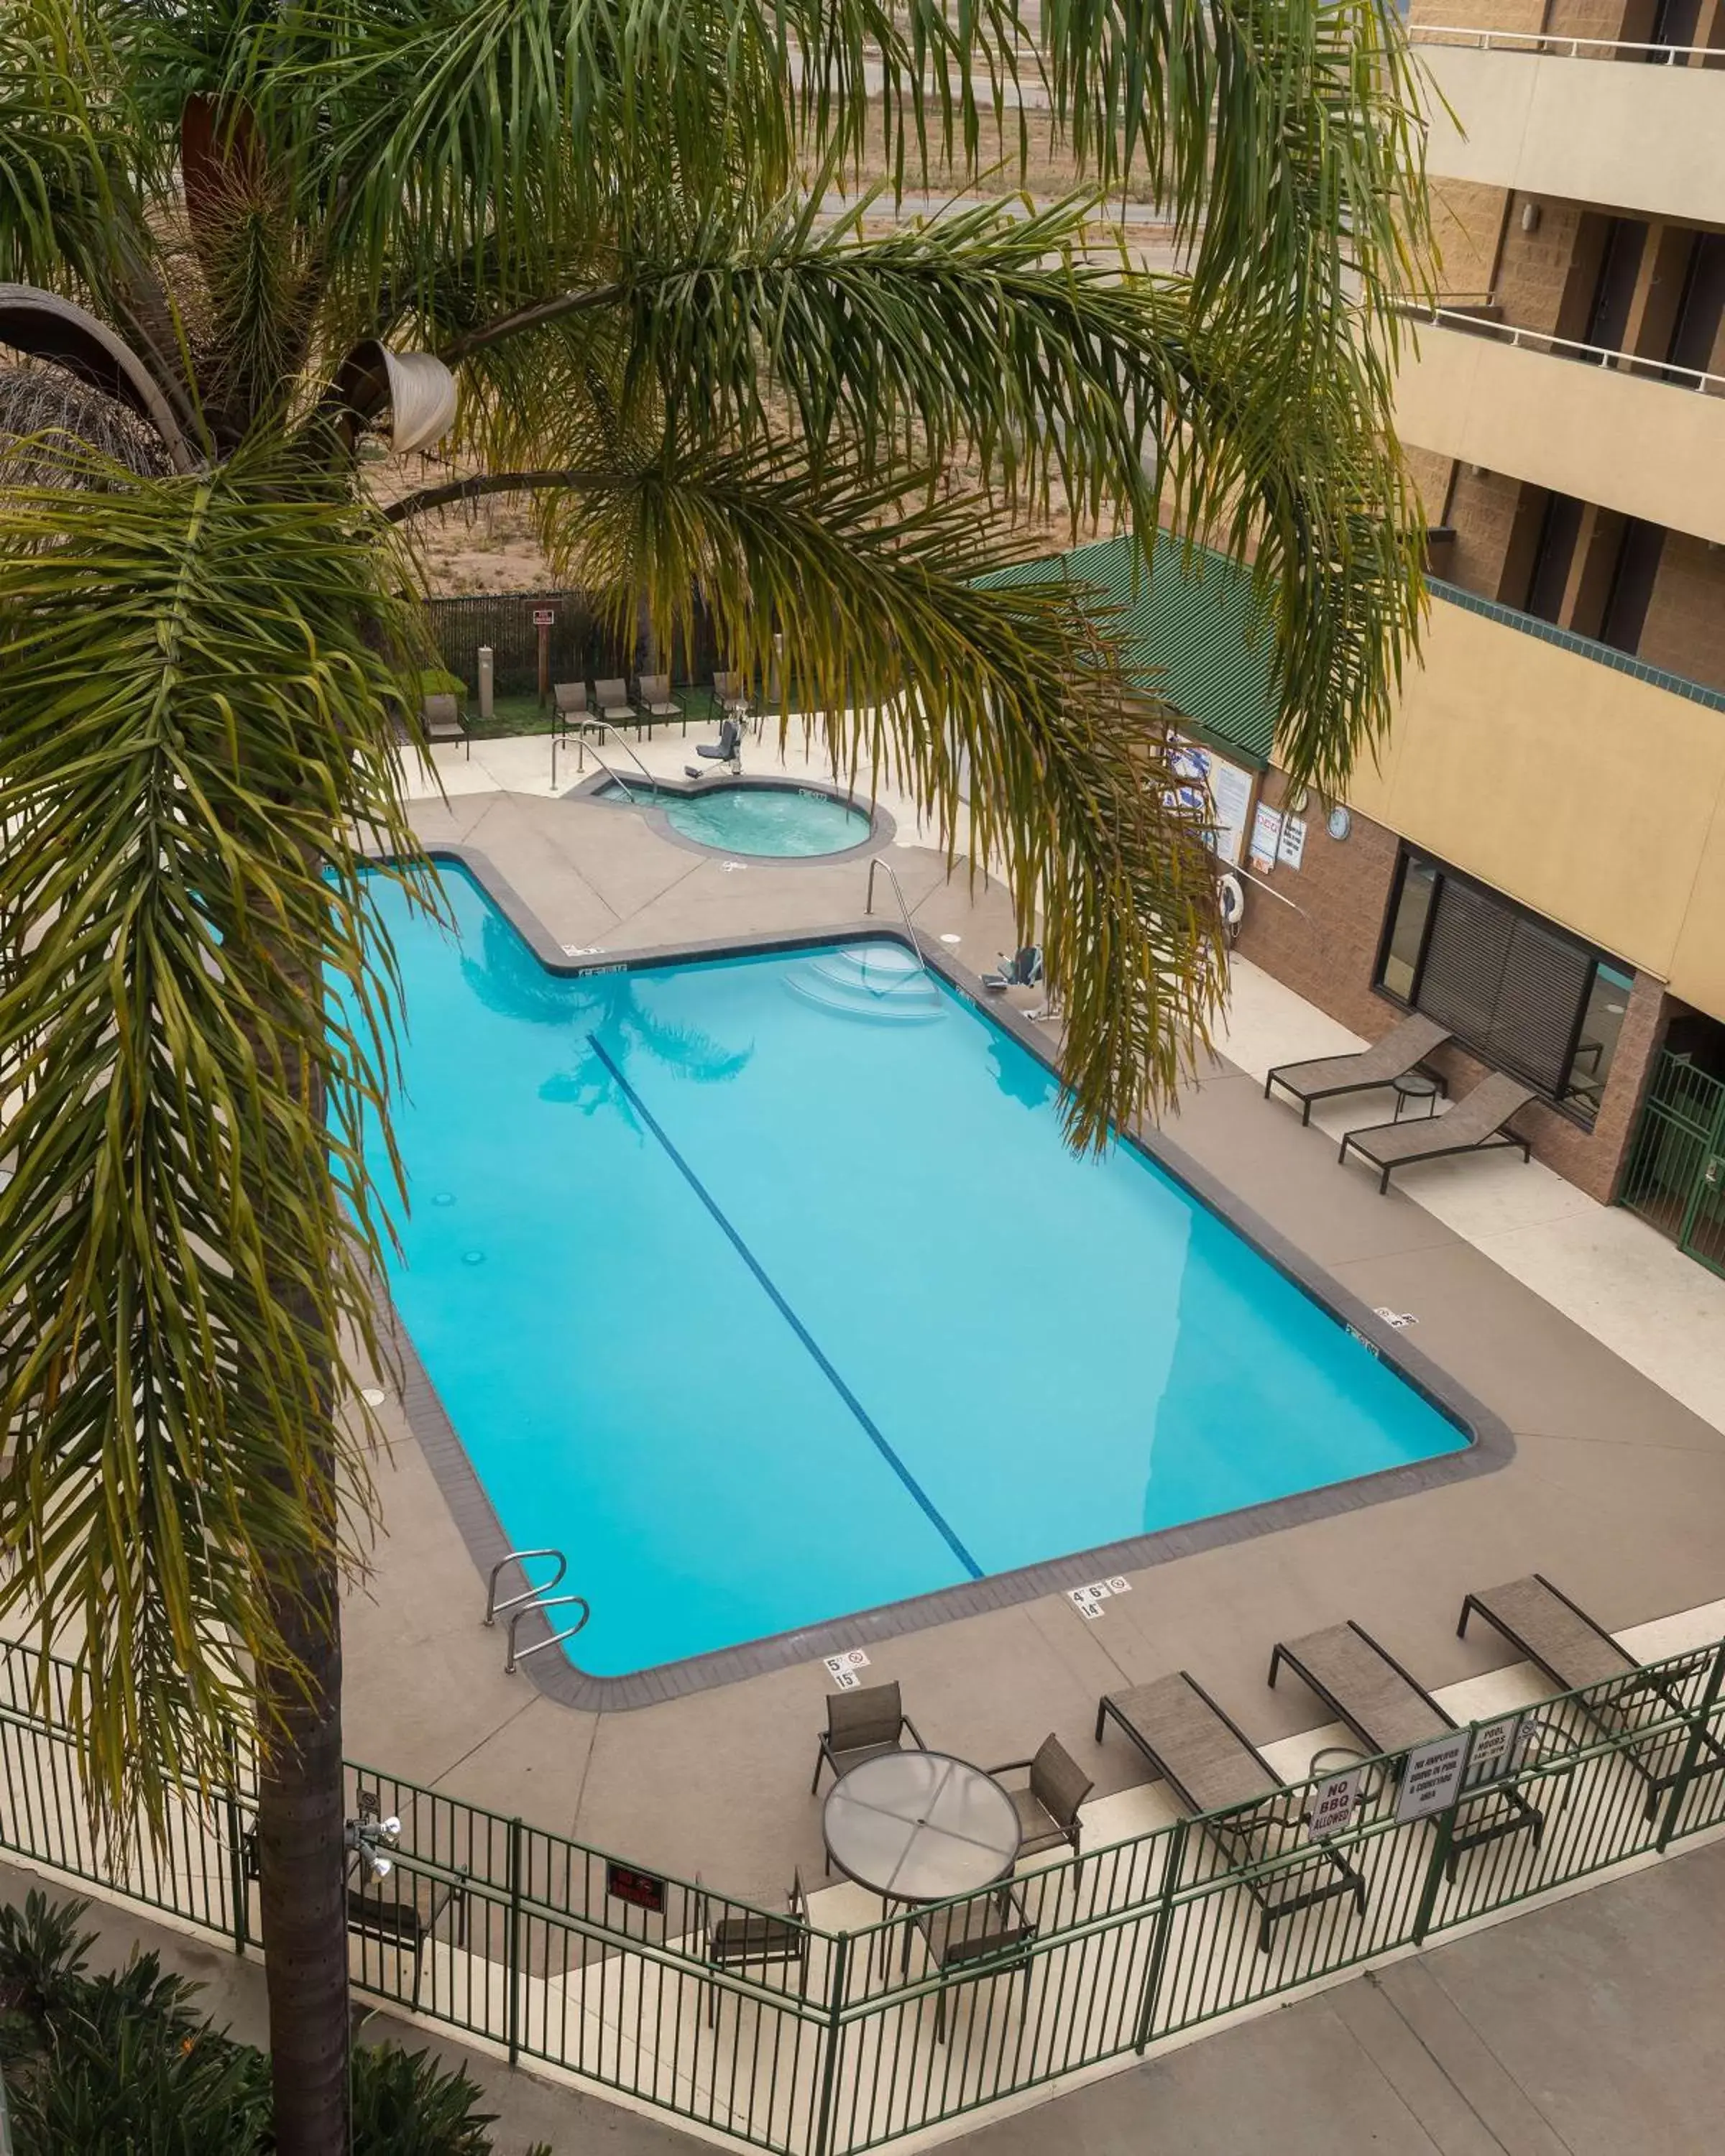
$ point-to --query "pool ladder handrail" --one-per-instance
(582, 744)
(534, 1598)
(879, 861)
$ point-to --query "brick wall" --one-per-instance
(1328, 952)
(1484, 511)
(1545, 278)
(1685, 628)
(1465, 218)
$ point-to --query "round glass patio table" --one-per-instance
(920, 1826)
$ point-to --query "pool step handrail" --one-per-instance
(582, 744)
(493, 1608)
(552, 1640)
(879, 861)
(539, 1597)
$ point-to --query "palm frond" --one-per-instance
(998, 704)
(185, 1234)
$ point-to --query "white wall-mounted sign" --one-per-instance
(1333, 1805)
(1229, 796)
(1291, 846)
(1431, 1780)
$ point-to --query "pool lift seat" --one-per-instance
(725, 751)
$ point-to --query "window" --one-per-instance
(1520, 992)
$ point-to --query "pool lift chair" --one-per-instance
(1023, 970)
(727, 750)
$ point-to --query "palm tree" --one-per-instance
(245, 242)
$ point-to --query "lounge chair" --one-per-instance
(1474, 1125)
(660, 706)
(967, 1941)
(615, 708)
(1322, 1079)
(861, 1725)
(728, 750)
(1023, 970)
(1390, 1711)
(1579, 1656)
(1048, 1808)
(441, 715)
(1213, 1767)
(749, 1939)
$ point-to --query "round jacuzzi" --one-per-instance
(767, 822)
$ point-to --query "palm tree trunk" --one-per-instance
(302, 1865)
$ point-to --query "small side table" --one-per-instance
(1416, 1086)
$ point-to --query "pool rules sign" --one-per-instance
(1431, 1780)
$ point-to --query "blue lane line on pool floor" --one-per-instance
(869, 1427)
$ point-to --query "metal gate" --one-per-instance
(1676, 1171)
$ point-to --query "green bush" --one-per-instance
(438, 681)
(126, 2065)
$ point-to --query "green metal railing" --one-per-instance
(826, 2044)
(1676, 1177)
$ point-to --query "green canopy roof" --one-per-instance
(1187, 633)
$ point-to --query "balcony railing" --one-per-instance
(1472, 321)
(1561, 45)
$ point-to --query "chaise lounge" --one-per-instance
(1324, 1076)
(1390, 1711)
(1474, 1125)
(1579, 1656)
(1213, 1767)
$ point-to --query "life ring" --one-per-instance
(1230, 897)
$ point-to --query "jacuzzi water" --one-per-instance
(768, 1291)
(777, 822)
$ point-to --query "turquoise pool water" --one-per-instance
(767, 1290)
(777, 822)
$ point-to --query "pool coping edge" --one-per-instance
(1489, 1442)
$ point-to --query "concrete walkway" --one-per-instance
(1589, 2028)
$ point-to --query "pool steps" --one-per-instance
(879, 984)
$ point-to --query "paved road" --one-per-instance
(1590, 2028)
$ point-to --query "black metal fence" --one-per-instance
(788, 2037)
(581, 648)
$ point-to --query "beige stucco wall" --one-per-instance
(1649, 448)
(1623, 136)
(1595, 799)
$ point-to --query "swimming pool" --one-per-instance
(767, 1289)
(772, 823)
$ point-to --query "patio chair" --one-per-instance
(727, 750)
(405, 1916)
(731, 693)
(1323, 1077)
(1615, 1693)
(745, 1940)
(660, 706)
(441, 718)
(991, 1935)
(1474, 1125)
(1213, 1768)
(569, 698)
(861, 1725)
(1048, 1810)
(615, 708)
(1389, 1711)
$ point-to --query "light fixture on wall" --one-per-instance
(1530, 217)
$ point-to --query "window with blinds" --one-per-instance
(1508, 985)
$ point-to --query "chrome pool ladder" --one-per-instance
(540, 1599)
(879, 861)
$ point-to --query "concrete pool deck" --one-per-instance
(1615, 1490)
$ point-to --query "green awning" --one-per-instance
(1187, 630)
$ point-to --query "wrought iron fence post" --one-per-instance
(1441, 1842)
(1164, 1931)
(1691, 1750)
(238, 1889)
(835, 2028)
(513, 2022)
